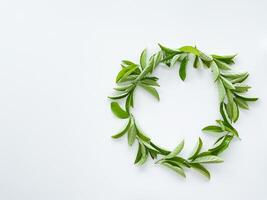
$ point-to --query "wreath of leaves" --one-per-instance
(231, 89)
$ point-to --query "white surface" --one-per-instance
(58, 60)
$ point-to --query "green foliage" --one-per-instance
(232, 97)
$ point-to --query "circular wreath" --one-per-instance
(231, 97)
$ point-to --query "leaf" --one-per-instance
(196, 149)
(142, 136)
(222, 65)
(220, 147)
(151, 90)
(213, 128)
(196, 62)
(160, 149)
(177, 169)
(226, 59)
(235, 113)
(128, 102)
(124, 71)
(208, 159)
(240, 88)
(118, 111)
(175, 59)
(205, 57)
(246, 98)
(128, 78)
(131, 135)
(124, 88)
(234, 75)
(182, 71)
(221, 89)
(118, 96)
(143, 59)
(227, 83)
(139, 154)
(200, 168)
(144, 154)
(240, 79)
(176, 151)
(241, 103)
(215, 71)
(122, 133)
(223, 113)
(190, 49)
(150, 82)
(168, 50)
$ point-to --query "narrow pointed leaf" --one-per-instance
(200, 168)
(176, 151)
(182, 70)
(143, 59)
(196, 149)
(177, 169)
(213, 128)
(227, 83)
(151, 90)
(118, 111)
(208, 159)
(123, 132)
(131, 135)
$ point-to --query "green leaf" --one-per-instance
(240, 88)
(142, 136)
(208, 159)
(175, 59)
(128, 78)
(221, 90)
(246, 98)
(176, 151)
(223, 112)
(144, 154)
(143, 59)
(122, 133)
(228, 59)
(235, 113)
(129, 102)
(177, 169)
(124, 88)
(227, 83)
(131, 135)
(240, 79)
(222, 65)
(124, 71)
(213, 128)
(220, 147)
(190, 49)
(139, 154)
(151, 90)
(150, 82)
(182, 71)
(196, 62)
(215, 71)
(118, 111)
(234, 75)
(196, 149)
(241, 103)
(160, 149)
(200, 168)
(168, 50)
(118, 96)
(205, 57)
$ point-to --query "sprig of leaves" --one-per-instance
(232, 98)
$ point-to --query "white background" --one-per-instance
(58, 61)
